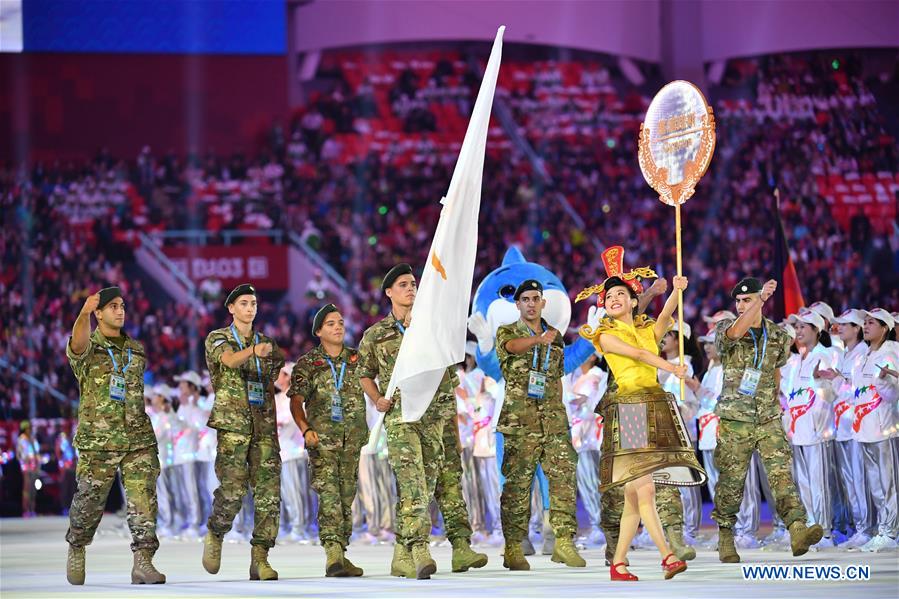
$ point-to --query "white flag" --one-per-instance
(435, 339)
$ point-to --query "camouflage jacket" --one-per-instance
(739, 354)
(105, 424)
(313, 380)
(232, 410)
(377, 357)
(520, 413)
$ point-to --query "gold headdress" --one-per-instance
(613, 260)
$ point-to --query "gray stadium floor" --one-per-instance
(33, 554)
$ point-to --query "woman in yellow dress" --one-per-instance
(645, 440)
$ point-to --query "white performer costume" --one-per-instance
(849, 460)
(876, 428)
(809, 424)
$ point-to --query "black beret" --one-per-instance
(319, 318)
(747, 285)
(393, 274)
(242, 289)
(529, 285)
(107, 295)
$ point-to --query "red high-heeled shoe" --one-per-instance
(674, 568)
(616, 575)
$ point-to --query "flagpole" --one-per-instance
(680, 296)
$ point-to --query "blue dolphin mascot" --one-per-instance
(494, 306)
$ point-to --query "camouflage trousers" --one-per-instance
(415, 452)
(668, 503)
(335, 477)
(243, 460)
(448, 491)
(94, 475)
(522, 453)
(736, 442)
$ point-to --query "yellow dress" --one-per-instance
(644, 432)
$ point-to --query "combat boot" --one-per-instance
(334, 560)
(566, 553)
(802, 537)
(424, 563)
(402, 564)
(350, 568)
(75, 565)
(727, 551)
(675, 536)
(513, 557)
(212, 552)
(464, 557)
(260, 569)
(144, 572)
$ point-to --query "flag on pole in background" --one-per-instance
(789, 300)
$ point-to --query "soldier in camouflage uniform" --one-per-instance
(752, 350)
(114, 433)
(243, 366)
(328, 406)
(534, 425)
(415, 449)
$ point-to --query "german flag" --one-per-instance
(789, 300)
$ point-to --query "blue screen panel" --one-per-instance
(156, 26)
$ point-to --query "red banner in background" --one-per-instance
(265, 266)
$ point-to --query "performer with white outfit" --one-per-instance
(876, 425)
(849, 461)
(586, 385)
(207, 445)
(484, 453)
(842, 511)
(689, 409)
(187, 440)
(809, 419)
(471, 380)
(291, 442)
(165, 425)
(708, 391)
(377, 487)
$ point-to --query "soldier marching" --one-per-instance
(330, 388)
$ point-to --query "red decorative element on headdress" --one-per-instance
(613, 261)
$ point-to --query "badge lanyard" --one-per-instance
(399, 325)
(756, 361)
(338, 382)
(240, 344)
(115, 365)
(537, 351)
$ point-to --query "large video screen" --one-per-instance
(152, 26)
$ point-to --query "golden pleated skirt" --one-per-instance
(644, 433)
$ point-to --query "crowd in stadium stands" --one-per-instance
(359, 173)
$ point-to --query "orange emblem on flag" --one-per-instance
(438, 266)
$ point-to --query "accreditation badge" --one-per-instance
(255, 393)
(750, 382)
(536, 384)
(336, 408)
(116, 387)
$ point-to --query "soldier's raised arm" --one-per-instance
(81, 332)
